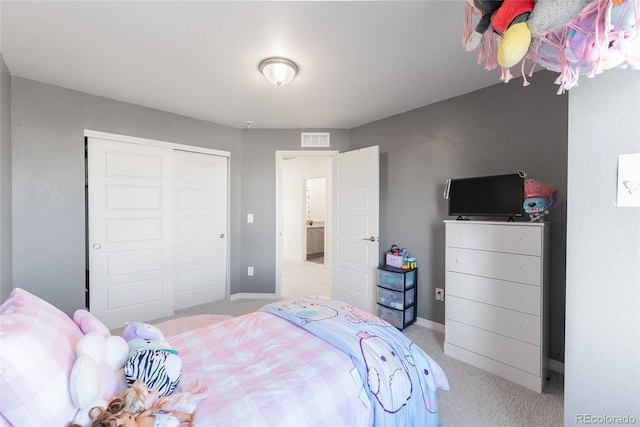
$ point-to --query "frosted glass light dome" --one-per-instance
(278, 71)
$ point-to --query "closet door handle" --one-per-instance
(96, 246)
(222, 236)
(372, 238)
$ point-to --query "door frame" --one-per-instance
(281, 155)
(157, 143)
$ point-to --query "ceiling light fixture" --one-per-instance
(278, 71)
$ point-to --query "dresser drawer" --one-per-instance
(501, 293)
(506, 350)
(518, 239)
(514, 324)
(498, 265)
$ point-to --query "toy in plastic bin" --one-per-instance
(394, 257)
(410, 264)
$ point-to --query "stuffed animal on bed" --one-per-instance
(133, 330)
(97, 372)
(151, 358)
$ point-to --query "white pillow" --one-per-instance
(37, 353)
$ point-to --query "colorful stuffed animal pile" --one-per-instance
(577, 37)
(107, 364)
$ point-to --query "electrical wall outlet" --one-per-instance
(249, 271)
(439, 294)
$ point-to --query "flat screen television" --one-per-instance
(489, 196)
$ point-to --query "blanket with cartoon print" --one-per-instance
(400, 379)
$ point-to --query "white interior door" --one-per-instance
(356, 224)
(130, 229)
(200, 211)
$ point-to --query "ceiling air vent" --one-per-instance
(314, 139)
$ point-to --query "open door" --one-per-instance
(356, 226)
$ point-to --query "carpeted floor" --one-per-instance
(478, 398)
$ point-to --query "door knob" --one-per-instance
(222, 236)
(97, 246)
(372, 238)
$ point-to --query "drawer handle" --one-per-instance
(459, 261)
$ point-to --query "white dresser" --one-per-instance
(496, 298)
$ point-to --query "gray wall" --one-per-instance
(5, 181)
(602, 374)
(48, 124)
(258, 197)
(500, 129)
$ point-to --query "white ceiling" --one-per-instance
(359, 61)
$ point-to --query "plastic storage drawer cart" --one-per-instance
(396, 295)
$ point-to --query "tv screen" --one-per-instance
(497, 195)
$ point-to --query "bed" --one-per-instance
(293, 363)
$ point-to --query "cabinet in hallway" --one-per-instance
(315, 241)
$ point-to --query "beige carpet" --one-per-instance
(175, 326)
(478, 398)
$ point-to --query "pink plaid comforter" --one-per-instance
(263, 371)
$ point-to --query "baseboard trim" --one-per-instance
(556, 366)
(430, 324)
(247, 295)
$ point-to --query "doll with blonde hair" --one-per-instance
(115, 416)
(139, 397)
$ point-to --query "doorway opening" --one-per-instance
(303, 223)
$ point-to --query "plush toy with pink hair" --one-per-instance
(540, 198)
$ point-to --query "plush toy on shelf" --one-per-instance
(540, 198)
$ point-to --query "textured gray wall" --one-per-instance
(259, 198)
(5, 181)
(497, 130)
(48, 124)
(602, 369)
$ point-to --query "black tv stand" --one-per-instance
(463, 218)
(511, 219)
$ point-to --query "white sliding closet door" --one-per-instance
(130, 231)
(157, 228)
(200, 212)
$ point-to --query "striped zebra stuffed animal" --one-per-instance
(159, 369)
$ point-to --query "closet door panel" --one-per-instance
(130, 222)
(200, 206)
